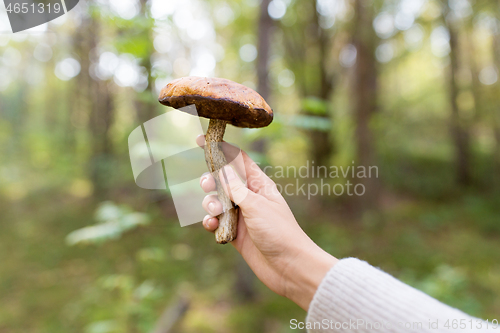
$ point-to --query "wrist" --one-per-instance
(306, 273)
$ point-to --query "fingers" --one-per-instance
(236, 190)
(256, 180)
(212, 205)
(200, 140)
(210, 223)
(207, 182)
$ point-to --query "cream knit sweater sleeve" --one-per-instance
(357, 297)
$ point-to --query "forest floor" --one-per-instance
(448, 249)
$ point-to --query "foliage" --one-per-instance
(83, 249)
(113, 221)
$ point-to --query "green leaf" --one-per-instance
(315, 105)
(307, 122)
(112, 220)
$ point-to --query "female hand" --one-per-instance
(269, 238)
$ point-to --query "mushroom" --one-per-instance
(223, 102)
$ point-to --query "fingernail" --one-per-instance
(204, 178)
(229, 173)
(211, 207)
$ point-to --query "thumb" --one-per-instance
(235, 189)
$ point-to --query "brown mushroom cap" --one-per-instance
(217, 98)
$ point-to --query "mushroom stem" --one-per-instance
(214, 156)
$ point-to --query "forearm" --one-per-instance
(355, 296)
(305, 273)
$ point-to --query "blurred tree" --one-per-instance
(496, 107)
(146, 102)
(475, 85)
(364, 95)
(101, 111)
(308, 52)
(459, 128)
(264, 34)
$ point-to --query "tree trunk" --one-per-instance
(146, 107)
(100, 122)
(475, 83)
(307, 46)
(263, 46)
(496, 108)
(364, 96)
(322, 146)
(459, 132)
(101, 118)
(264, 33)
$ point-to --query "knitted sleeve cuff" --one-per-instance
(357, 297)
